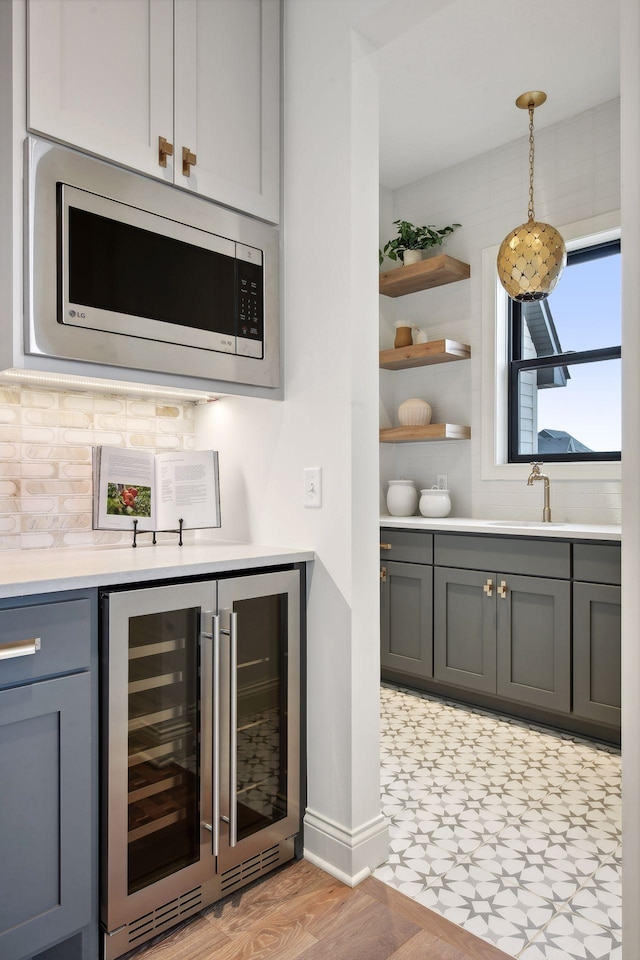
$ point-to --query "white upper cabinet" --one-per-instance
(114, 76)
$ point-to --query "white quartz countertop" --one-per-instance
(27, 572)
(511, 528)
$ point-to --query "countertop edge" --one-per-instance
(38, 578)
(563, 531)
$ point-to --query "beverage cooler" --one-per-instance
(200, 746)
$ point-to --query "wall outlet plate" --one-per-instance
(441, 480)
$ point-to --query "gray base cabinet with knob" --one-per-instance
(48, 782)
(527, 625)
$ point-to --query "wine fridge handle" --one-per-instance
(207, 632)
(216, 734)
(233, 730)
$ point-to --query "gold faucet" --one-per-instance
(536, 475)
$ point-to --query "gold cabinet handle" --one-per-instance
(488, 588)
(385, 546)
(383, 574)
(188, 160)
(165, 149)
(502, 589)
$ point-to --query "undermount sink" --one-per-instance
(522, 523)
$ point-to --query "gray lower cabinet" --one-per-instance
(406, 595)
(464, 634)
(48, 813)
(534, 641)
(596, 652)
(504, 634)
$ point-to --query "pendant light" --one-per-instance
(532, 257)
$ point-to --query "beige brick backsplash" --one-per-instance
(9, 414)
(77, 401)
(57, 453)
(10, 434)
(59, 487)
(44, 469)
(168, 411)
(57, 418)
(76, 470)
(9, 451)
(46, 448)
(9, 395)
(112, 405)
(39, 398)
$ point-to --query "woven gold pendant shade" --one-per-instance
(531, 257)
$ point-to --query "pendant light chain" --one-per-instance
(531, 153)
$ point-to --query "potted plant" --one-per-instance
(412, 239)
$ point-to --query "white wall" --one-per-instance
(630, 94)
(329, 418)
(577, 177)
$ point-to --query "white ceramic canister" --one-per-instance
(435, 503)
(402, 498)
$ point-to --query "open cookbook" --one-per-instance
(156, 489)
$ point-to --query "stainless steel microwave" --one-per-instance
(133, 273)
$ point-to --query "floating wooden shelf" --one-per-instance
(433, 431)
(434, 272)
(424, 354)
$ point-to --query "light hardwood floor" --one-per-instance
(302, 912)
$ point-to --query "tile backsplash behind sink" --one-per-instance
(46, 440)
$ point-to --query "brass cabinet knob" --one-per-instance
(383, 574)
(385, 546)
(502, 589)
(488, 588)
(188, 160)
(165, 149)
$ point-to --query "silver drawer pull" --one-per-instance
(19, 648)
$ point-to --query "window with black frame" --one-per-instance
(565, 367)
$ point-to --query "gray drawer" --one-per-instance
(410, 546)
(535, 558)
(596, 562)
(64, 631)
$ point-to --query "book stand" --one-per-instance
(154, 541)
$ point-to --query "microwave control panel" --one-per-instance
(250, 330)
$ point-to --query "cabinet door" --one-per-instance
(464, 628)
(534, 641)
(596, 652)
(227, 101)
(100, 77)
(45, 814)
(406, 618)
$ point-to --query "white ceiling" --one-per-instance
(452, 69)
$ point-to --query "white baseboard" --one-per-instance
(348, 855)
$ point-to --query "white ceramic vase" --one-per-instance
(414, 413)
(435, 503)
(411, 256)
(402, 498)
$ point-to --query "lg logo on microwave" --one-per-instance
(74, 313)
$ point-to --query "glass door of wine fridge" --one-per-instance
(257, 728)
(157, 746)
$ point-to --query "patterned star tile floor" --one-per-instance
(510, 830)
